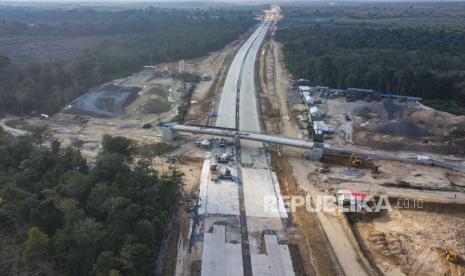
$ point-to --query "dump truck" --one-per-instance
(227, 174)
(222, 143)
(224, 158)
(214, 172)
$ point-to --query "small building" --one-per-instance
(337, 92)
(315, 112)
(205, 143)
(423, 157)
(302, 82)
(321, 128)
(304, 88)
(309, 100)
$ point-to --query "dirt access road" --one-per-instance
(341, 246)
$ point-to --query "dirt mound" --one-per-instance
(416, 129)
(156, 106)
(390, 142)
(414, 241)
(437, 122)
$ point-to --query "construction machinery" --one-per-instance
(227, 174)
(355, 161)
(323, 169)
(374, 169)
(222, 143)
(224, 158)
(214, 172)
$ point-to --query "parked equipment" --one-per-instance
(214, 172)
(355, 161)
(227, 174)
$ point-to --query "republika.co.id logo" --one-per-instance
(342, 201)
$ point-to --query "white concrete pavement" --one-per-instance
(238, 108)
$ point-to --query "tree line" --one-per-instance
(135, 38)
(406, 61)
(76, 218)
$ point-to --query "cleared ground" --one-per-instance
(107, 100)
(393, 124)
(413, 240)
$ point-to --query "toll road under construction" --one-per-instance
(170, 131)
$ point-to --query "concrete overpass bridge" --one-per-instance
(169, 133)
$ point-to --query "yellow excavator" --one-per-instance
(355, 161)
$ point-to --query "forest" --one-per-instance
(70, 217)
(121, 42)
(405, 59)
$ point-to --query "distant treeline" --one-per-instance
(136, 38)
(428, 63)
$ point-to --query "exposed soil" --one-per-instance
(393, 125)
(412, 241)
(105, 101)
(406, 129)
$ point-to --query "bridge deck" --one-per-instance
(246, 135)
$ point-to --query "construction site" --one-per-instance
(319, 141)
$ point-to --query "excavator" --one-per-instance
(355, 161)
(214, 172)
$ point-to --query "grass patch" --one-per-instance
(449, 106)
(367, 115)
(17, 123)
(196, 268)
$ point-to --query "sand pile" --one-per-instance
(416, 129)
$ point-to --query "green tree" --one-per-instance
(47, 216)
(36, 249)
(118, 144)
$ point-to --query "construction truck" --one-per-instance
(227, 174)
(222, 143)
(224, 158)
(374, 169)
(323, 169)
(214, 172)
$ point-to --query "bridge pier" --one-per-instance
(168, 134)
